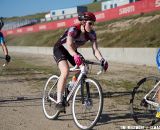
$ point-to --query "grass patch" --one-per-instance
(43, 38)
(121, 85)
(22, 70)
(22, 67)
(138, 35)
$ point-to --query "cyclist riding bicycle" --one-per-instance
(2, 42)
(73, 38)
(158, 65)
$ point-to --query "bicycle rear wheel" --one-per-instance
(142, 112)
(50, 97)
(87, 104)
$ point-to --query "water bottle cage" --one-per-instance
(70, 85)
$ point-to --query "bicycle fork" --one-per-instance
(85, 95)
(155, 94)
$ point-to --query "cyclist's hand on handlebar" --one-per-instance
(7, 58)
(104, 64)
(78, 59)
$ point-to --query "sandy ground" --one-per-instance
(21, 92)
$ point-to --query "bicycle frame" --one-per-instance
(78, 82)
(83, 72)
(154, 88)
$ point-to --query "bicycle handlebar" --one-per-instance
(87, 62)
(92, 62)
(75, 68)
(95, 63)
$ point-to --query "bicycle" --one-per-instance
(144, 101)
(86, 95)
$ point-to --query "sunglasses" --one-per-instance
(91, 23)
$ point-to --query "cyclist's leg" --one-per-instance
(60, 53)
(64, 70)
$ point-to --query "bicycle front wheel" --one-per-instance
(50, 97)
(87, 104)
(142, 112)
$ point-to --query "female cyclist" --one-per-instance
(75, 37)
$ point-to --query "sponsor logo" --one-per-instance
(157, 3)
(100, 16)
(127, 10)
(61, 24)
(9, 32)
(29, 29)
(19, 30)
(42, 27)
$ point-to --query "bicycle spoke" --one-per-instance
(86, 113)
(50, 98)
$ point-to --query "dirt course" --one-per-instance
(21, 86)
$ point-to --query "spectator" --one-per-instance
(2, 42)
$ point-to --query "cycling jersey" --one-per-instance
(79, 38)
(2, 41)
(61, 53)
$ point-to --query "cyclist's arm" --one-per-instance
(96, 51)
(70, 45)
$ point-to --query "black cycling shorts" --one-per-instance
(60, 53)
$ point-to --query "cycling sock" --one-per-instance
(59, 97)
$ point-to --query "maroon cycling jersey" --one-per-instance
(79, 38)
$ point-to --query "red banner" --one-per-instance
(139, 7)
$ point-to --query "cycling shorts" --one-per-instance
(60, 53)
